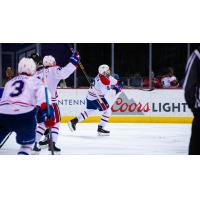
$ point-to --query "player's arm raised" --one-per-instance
(66, 71)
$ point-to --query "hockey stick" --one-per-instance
(102, 105)
(5, 139)
(48, 113)
(145, 89)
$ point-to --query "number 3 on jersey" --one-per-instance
(18, 88)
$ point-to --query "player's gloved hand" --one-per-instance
(117, 89)
(44, 109)
(75, 59)
(49, 123)
(42, 115)
(49, 119)
(120, 84)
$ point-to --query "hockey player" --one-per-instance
(169, 80)
(21, 96)
(102, 85)
(39, 66)
(37, 59)
(54, 74)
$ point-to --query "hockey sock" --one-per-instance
(82, 116)
(25, 150)
(105, 118)
(40, 132)
(54, 132)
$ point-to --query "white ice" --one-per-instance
(125, 139)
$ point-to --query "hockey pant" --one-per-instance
(41, 128)
(91, 108)
(23, 125)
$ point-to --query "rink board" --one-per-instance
(131, 106)
(130, 119)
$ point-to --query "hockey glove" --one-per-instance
(42, 116)
(49, 120)
(49, 123)
(75, 59)
(117, 89)
(120, 84)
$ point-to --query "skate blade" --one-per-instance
(103, 134)
(55, 153)
(35, 152)
(44, 146)
(70, 126)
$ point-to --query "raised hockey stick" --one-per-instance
(5, 139)
(103, 106)
(48, 113)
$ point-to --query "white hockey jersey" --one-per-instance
(54, 74)
(21, 95)
(167, 81)
(101, 86)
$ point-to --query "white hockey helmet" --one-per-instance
(49, 61)
(104, 70)
(27, 65)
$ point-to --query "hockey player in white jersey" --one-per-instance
(54, 74)
(95, 99)
(21, 97)
(169, 80)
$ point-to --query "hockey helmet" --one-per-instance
(104, 70)
(49, 61)
(27, 65)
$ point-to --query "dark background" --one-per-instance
(129, 58)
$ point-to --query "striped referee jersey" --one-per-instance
(191, 83)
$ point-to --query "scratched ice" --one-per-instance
(125, 139)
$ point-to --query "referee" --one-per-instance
(191, 87)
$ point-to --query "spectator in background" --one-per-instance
(155, 81)
(169, 80)
(9, 74)
(136, 80)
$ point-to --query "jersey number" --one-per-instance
(18, 88)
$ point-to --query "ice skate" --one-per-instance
(36, 147)
(56, 149)
(44, 142)
(102, 132)
(72, 124)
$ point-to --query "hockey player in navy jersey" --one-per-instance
(21, 97)
(95, 100)
(54, 74)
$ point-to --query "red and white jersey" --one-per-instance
(102, 86)
(167, 81)
(54, 74)
(21, 95)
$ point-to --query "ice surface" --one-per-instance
(125, 138)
